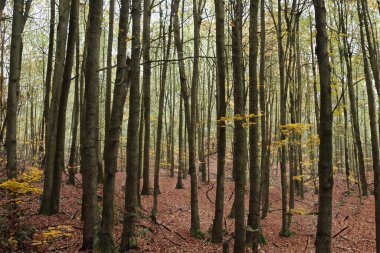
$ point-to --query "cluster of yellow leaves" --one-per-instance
(297, 211)
(309, 163)
(313, 140)
(279, 143)
(298, 177)
(352, 178)
(294, 128)
(239, 117)
(24, 183)
(52, 233)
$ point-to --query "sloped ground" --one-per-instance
(353, 219)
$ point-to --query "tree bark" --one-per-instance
(129, 240)
(20, 13)
(217, 227)
(112, 140)
(59, 163)
(325, 166)
(89, 160)
(253, 238)
(189, 118)
(146, 97)
(240, 135)
(53, 116)
(49, 71)
(373, 127)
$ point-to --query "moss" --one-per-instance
(197, 234)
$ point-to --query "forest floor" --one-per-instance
(353, 218)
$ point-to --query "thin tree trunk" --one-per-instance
(20, 12)
(89, 154)
(189, 117)
(374, 132)
(283, 97)
(161, 101)
(355, 121)
(326, 181)
(49, 71)
(72, 165)
(240, 135)
(253, 238)
(129, 240)
(59, 163)
(53, 117)
(112, 140)
(107, 109)
(264, 188)
(146, 91)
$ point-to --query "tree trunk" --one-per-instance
(20, 13)
(89, 156)
(146, 96)
(107, 109)
(59, 162)
(351, 92)
(72, 166)
(264, 187)
(49, 71)
(189, 114)
(373, 127)
(253, 238)
(325, 167)
(112, 140)
(283, 97)
(53, 117)
(129, 240)
(161, 101)
(240, 135)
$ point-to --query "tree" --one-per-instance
(89, 161)
(161, 100)
(129, 240)
(189, 119)
(240, 136)
(347, 52)
(113, 133)
(283, 97)
(254, 168)
(325, 166)
(107, 109)
(372, 117)
(49, 71)
(72, 165)
(264, 166)
(59, 163)
(146, 92)
(47, 206)
(20, 13)
(217, 229)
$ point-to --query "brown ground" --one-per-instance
(353, 221)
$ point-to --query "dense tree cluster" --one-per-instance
(96, 87)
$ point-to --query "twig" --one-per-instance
(146, 227)
(176, 244)
(307, 244)
(341, 231)
(75, 214)
(168, 229)
(229, 199)
(212, 187)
